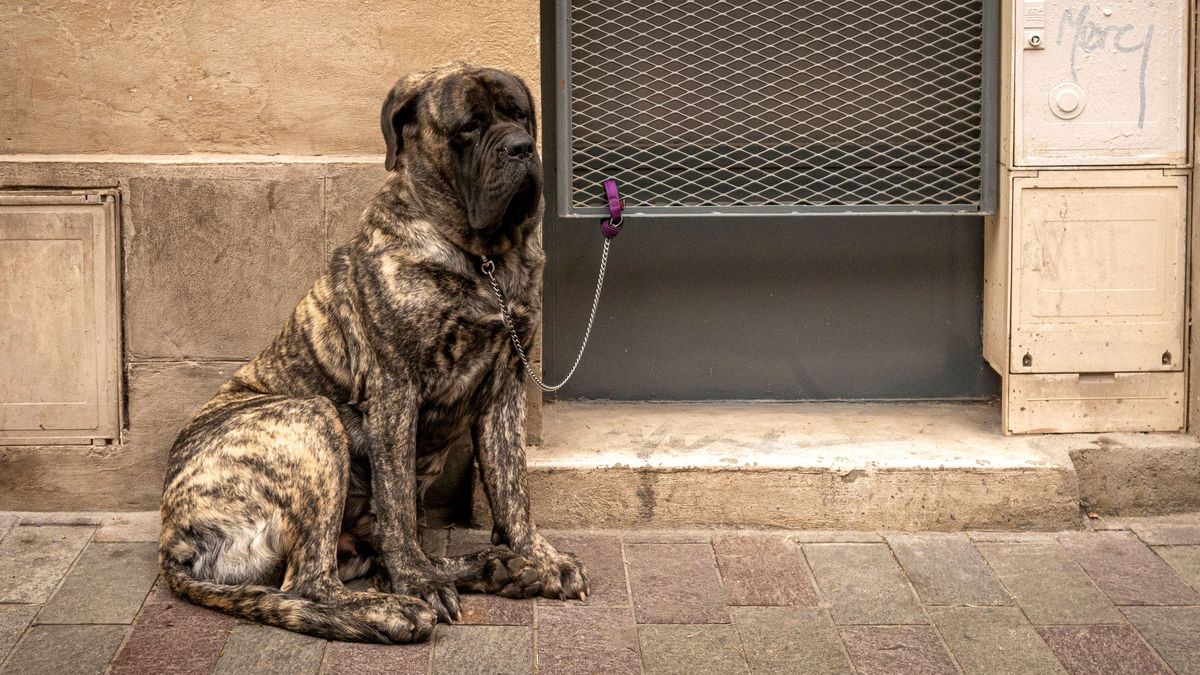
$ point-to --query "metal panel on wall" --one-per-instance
(1101, 83)
(60, 346)
(1099, 275)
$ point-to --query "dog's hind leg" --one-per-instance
(262, 489)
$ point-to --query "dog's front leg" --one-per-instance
(499, 446)
(391, 426)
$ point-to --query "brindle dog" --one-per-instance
(323, 444)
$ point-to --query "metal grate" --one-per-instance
(788, 103)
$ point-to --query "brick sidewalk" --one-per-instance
(1122, 597)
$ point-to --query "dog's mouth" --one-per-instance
(520, 205)
(511, 204)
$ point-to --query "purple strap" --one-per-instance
(615, 203)
(611, 226)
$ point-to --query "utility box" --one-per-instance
(1086, 259)
(1085, 286)
(59, 308)
(1100, 83)
(1099, 273)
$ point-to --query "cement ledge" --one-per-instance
(860, 466)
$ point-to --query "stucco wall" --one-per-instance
(300, 77)
(216, 250)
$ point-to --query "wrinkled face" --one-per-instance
(469, 134)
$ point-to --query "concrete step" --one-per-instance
(903, 466)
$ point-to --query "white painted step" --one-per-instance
(904, 466)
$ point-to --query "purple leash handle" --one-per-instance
(611, 226)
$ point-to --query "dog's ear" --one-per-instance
(399, 108)
(533, 112)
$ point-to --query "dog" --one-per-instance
(307, 467)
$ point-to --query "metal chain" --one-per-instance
(505, 313)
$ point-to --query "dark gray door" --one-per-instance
(773, 155)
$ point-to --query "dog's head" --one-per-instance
(465, 135)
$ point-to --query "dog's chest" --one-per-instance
(471, 341)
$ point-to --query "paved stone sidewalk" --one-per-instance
(78, 595)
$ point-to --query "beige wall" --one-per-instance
(216, 250)
(300, 77)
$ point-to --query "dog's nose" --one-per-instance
(517, 146)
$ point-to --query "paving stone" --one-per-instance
(462, 649)
(605, 565)
(1048, 585)
(680, 649)
(864, 584)
(349, 658)
(88, 518)
(666, 536)
(764, 571)
(208, 290)
(14, 619)
(493, 610)
(107, 585)
(832, 537)
(993, 640)
(1168, 531)
(1014, 537)
(265, 650)
(1168, 534)
(34, 559)
(159, 593)
(1127, 570)
(174, 637)
(945, 569)
(1101, 649)
(1185, 560)
(54, 650)
(675, 583)
(584, 640)
(896, 650)
(128, 527)
(790, 639)
(7, 522)
(1174, 632)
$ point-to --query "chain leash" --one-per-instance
(610, 227)
(488, 268)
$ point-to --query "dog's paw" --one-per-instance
(439, 594)
(563, 577)
(510, 575)
(401, 619)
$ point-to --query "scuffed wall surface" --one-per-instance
(216, 250)
(300, 77)
(216, 256)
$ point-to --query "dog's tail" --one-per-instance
(268, 605)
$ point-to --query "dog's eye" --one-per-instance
(519, 115)
(469, 128)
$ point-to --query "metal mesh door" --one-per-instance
(774, 104)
